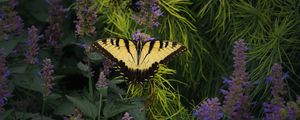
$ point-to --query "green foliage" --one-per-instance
(208, 28)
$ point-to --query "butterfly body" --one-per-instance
(138, 60)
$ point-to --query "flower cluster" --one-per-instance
(127, 116)
(209, 110)
(138, 36)
(75, 115)
(236, 103)
(86, 15)
(47, 76)
(4, 73)
(56, 17)
(274, 109)
(32, 51)
(10, 22)
(149, 13)
(107, 64)
(102, 81)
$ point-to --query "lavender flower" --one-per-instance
(75, 115)
(149, 13)
(127, 116)
(102, 81)
(56, 18)
(32, 51)
(293, 111)
(53, 34)
(47, 76)
(273, 110)
(4, 73)
(10, 22)
(209, 110)
(138, 36)
(86, 15)
(107, 64)
(236, 103)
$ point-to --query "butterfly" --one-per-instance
(138, 60)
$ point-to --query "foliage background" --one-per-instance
(208, 28)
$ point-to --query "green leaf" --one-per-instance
(38, 9)
(53, 96)
(4, 115)
(85, 106)
(10, 44)
(30, 116)
(18, 68)
(138, 113)
(83, 67)
(113, 108)
(65, 108)
(95, 56)
(3, 1)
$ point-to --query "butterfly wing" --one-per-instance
(159, 52)
(118, 50)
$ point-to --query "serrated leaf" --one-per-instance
(95, 56)
(18, 68)
(84, 105)
(115, 88)
(138, 113)
(3, 1)
(113, 108)
(30, 116)
(83, 67)
(10, 44)
(53, 96)
(64, 108)
(38, 9)
(4, 115)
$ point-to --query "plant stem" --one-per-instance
(90, 81)
(99, 108)
(43, 107)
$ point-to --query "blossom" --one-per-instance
(138, 36)
(75, 115)
(273, 110)
(210, 109)
(47, 76)
(102, 81)
(107, 65)
(56, 18)
(53, 33)
(86, 17)
(32, 51)
(127, 116)
(236, 103)
(4, 73)
(10, 21)
(149, 13)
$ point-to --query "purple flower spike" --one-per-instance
(210, 109)
(86, 17)
(10, 22)
(47, 76)
(273, 110)
(236, 104)
(56, 18)
(149, 13)
(32, 50)
(4, 92)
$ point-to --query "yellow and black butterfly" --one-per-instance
(138, 60)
